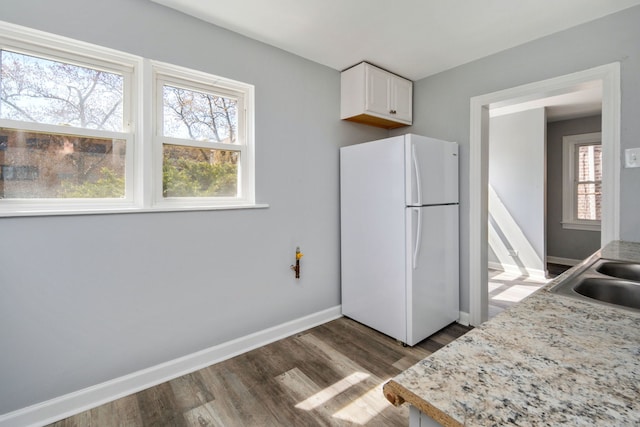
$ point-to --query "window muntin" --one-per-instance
(582, 182)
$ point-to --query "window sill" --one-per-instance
(581, 226)
(123, 210)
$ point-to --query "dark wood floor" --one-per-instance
(556, 269)
(331, 375)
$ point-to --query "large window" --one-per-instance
(582, 175)
(88, 129)
(62, 130)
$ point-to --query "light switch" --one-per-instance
(632, 158)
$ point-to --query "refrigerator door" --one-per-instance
(373, 235)
(431, 173)
(432, 270)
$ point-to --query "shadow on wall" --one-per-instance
(507, 241)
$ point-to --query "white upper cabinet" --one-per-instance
(375, 97)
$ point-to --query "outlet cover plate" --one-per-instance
(632, 158)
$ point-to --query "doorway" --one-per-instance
(530, 241)
(609, 77)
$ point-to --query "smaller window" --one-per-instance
(202, 142)
(582, 181)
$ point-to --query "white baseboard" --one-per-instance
(73, 403)
(495, 266)
(464, 318)
(563, 261)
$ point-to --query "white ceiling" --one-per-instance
(581, 103)
(413, 38)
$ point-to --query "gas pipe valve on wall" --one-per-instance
(296, 267)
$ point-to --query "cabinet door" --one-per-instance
(377, 84)
(401, 99)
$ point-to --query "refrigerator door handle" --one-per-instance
(418, 238)
(416, 169)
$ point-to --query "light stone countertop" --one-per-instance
(550, 360)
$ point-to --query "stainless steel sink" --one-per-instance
(621, 270)
(612, 291)
(605, 281)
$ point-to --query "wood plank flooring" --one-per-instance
(330, 375)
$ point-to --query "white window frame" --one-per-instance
(569, 170)
(173, 75)
(49, 46)
(143, 168)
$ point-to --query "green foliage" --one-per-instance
(110, 185)
(184, 177)
(181, 178)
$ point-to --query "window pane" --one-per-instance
(40, 90)
(199, 116)
(199, 172)
(53, 166)
(589, 163)
(589, 201)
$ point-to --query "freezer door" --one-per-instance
(432, 270)
(431, 172)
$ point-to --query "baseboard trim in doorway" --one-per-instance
(495, 266)
(73, 403)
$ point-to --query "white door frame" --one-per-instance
(609, 76)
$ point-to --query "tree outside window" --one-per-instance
(189, 171)
(201, 129)
(68, 163)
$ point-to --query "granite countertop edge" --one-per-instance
(471, 381)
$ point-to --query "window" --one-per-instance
(582, 176)
(86, 129)
(62, 123)
(202, 144)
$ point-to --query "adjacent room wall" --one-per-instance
(90, 298)
(561, 242)
(442, 101)
(517, 192)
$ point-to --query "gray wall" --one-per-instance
(517, 176)
(90, 298)
(441, 102)
(564, 243)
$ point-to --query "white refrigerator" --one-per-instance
(399, 235)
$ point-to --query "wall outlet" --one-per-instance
(632, 158)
